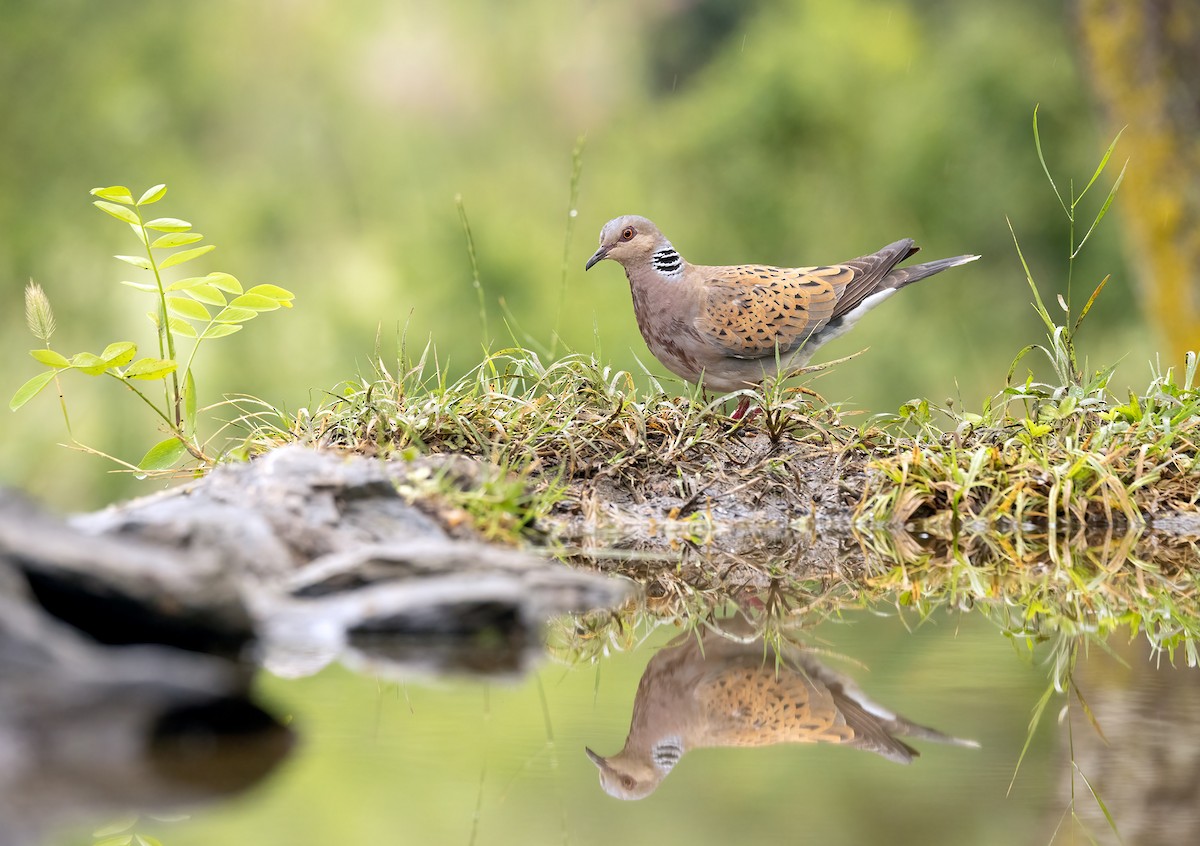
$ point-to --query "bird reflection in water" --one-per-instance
(716, 689)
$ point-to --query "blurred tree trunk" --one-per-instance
(1144, 63)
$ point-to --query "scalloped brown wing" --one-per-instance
(753, 704)
(749, 310)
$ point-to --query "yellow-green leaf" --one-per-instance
(254, 302)
(89, 363)
(119, 354)
(141, 286)
(50, 358)
(283, 295)
(31, 389)
(189, 401)
(225, 281)
(176, 239)
(163, 454)
(187, 307)
(119, 212)
(185, 255)
(150, 368)
(206, 294)
(168, 224)
(220, 330)
(117, 193)
(181, 327)
(235, 315)
(152, 195)
(136, 261)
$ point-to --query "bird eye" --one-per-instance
(628, 782)
(627, 233)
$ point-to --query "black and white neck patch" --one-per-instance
(667, 262)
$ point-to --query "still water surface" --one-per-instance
(503, 762)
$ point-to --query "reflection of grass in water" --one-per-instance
(1058, 600)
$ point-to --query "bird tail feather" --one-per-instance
(901, 276)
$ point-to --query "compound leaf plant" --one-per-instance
(194, 309)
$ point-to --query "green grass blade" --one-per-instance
(1033, 724)
(1099, 802)
(1112, 195)
(476, 282)
(1039, 306)
(1037, 142)
(1088, 305)
(1100, 167)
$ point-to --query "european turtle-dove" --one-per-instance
(735, 326)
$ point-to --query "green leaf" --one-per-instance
(31, 389)
(89, 363)
(235, 315)
(152, 316)
(255, 302)
(185, 255)
(206, 294)
(117, 193)
(50, 358)
(168, 224)
(119, 212)
(139, 233)
(1112, 195)
(181, 327)
(220, 330)
(150, 368)
(187, 307)
(1037, 142)
(152, 195)
(1103, 164)
(1088, 306)
(119, 354)
(176, 239)
(225, 281)
(163, 454)
(1038, 305)
(283, 295)
(137, 261)
(189, 401)
(149, 287)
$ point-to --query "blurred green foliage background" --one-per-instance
(321, 147)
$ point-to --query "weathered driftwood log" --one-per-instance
(122, 590)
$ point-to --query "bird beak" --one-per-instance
(600, 255)
(598, 760)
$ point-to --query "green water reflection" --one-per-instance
(461, 762)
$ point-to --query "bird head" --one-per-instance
(628, 239)
(624, 776)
